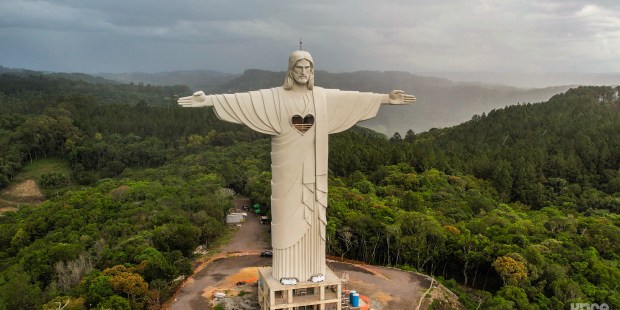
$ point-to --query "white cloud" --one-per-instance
(428, 35)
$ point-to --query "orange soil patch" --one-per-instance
(244, 275)
(229, 284)
(25, 192)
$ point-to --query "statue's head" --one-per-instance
(300, 70)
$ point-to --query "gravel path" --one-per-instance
(252, 237)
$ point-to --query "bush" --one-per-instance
(115, 302)
(54, 179)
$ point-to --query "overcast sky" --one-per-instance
(231, 36)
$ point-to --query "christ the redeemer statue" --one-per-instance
(300, 117)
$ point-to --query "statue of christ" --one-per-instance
(300, 117)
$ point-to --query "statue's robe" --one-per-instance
(298, 164)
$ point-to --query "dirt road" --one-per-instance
(252, 237)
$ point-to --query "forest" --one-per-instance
(514, 209)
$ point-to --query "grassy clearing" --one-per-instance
(24, 187)
(39, 167)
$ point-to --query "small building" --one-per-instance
(235, 218)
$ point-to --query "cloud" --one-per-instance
(474, 35)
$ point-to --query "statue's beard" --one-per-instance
(302, 79)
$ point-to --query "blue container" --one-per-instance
(355, 300)
(351, 295)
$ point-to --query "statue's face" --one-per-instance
(302, 72)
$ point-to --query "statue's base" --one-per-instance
(325, 295)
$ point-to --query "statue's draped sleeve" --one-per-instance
(346, 108)
(258, 110)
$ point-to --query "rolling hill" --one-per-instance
(441, 102)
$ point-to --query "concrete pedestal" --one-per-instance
(325, 295)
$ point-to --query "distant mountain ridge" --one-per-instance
(75, 76)
(534, 79)
(441, 102)
(196, 79)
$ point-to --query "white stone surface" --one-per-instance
(300, 118)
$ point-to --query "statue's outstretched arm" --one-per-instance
(398, 97)
(198, 99)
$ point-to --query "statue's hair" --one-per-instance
(295, 57)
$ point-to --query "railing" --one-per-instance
(303, 297)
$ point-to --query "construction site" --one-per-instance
(229, 277)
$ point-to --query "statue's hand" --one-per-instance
(198, 99)
(399, 97)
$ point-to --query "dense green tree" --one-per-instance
(153, 265)
(18, 291)
(115, 302)
(182, 237)
(521, 202)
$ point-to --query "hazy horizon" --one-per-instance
(513, 79)
(344, 36)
